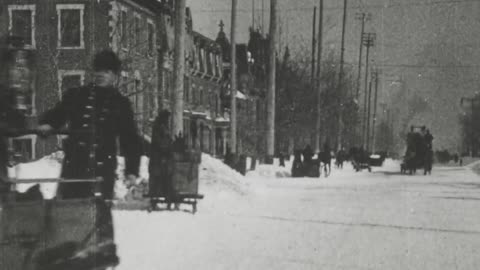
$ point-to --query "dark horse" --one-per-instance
(326, 158)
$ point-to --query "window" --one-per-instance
(208, 57)
(69, 79)
(151, 38)
(138, 31)
(124, 28)
(137, 100)
(70, 26)
(201, 59)
(22, 23)
(23, 148)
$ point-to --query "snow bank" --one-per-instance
(218, 177)
(215, 179)
(270, 171)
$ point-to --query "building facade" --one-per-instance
(62, 37)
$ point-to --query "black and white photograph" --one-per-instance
(239, 134)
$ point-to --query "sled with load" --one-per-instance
(58, 233)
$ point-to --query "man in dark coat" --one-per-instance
(97, 114)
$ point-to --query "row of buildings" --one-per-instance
(61, 36)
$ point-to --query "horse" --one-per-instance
(325, 158)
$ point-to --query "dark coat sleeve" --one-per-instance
(58, 115)
(130, 143)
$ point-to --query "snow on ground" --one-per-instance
(349, 220)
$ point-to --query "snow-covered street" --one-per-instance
(379, 220)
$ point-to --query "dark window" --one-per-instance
(124, 30)
(209, 62)
(22, 25)
(138, 32)
(70, 24)
(151, 37)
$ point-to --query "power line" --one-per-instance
(309, 9)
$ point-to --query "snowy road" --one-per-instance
(379, 220)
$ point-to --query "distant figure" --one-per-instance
(428, 139)
(326, 158)
(297, 165)
(281, 157)
(307, 154)
(340, 158)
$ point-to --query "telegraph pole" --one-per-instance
(368, 40)
(340, 78)
(318, 82)
(271, 83)
(179, 68)
(369, 112)
(253, 15)
(363, 17)
(233, 81)
(313, 46)
(374, 131)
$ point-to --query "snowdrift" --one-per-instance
(215, 176)
(218, 177)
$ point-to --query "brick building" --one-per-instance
(63, 36)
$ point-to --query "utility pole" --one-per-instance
(233, 81)
(369, 113)
(318, 82)
(253, 15)
(363, 17)
(313, 45)
(340, 78)
(271, 84)
(374, 131)
(179, 68)
(368, 40)
(263, 15)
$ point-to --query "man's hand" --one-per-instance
(44, 129)
(130, 180)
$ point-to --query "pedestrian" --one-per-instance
(428, 139)
(327, 158)
(98, 115)
(161, 159)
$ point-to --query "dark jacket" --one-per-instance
(100, 116)
(9, 118)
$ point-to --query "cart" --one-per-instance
(54, 234)
(177, 186)
(418, 155)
